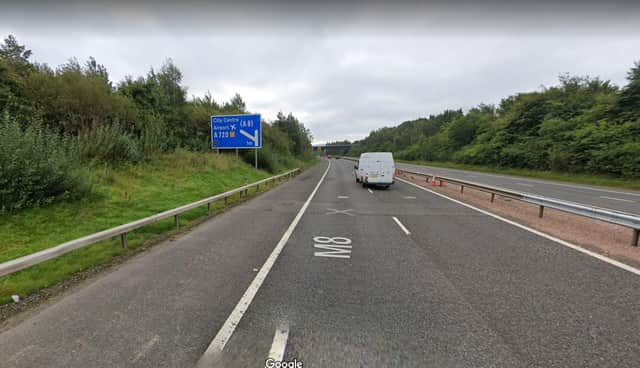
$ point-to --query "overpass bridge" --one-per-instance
(332, 149)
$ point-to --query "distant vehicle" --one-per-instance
(329, 156)
(337, 157)
(375, 168)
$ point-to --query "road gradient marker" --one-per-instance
(224, 334)
(611, 261)
(279, 344)
(401, 225)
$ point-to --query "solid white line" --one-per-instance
(613, 262)
(221, 338)
(279, 343)
(617, 199)
(401, 225)
(525, 185)
(370, 191)
(343, 197)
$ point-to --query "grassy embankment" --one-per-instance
(119, 195)
(598, 180)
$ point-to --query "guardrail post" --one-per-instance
(541, 211)
(634, 239)
(177, 218)
(257, 187)
(226, 200)
(493, 196)
(461, 189)
(209, 207)
(123, 240)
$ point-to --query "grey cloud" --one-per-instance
(343, 69)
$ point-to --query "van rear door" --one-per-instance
(385, 168)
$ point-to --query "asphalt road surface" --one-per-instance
(367, 278)
(620, 200)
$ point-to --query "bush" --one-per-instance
(559, 159)
(36, 166)
(152, 139)
(108, 143)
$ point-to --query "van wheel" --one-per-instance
(386, 187)
(357, 180)
(364, 185)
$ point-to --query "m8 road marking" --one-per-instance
(333, 247)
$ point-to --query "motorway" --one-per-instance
(620, 200)
(348, 277)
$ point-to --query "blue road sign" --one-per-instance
(236, 131)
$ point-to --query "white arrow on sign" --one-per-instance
(253, 137)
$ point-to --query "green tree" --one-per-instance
(629, 103)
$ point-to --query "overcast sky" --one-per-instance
(346, 69)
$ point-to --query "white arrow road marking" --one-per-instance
(279, 343)
(370, 191)
(253, 137)
(343, 197)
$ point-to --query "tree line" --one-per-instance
(581, 125)
(54, 122)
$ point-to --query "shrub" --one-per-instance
(108, 143)
(36, 166)
(153, 138)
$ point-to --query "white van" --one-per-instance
(375, 168)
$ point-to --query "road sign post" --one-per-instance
(237, 132)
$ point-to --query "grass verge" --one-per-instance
(119, 195)
(598, 180)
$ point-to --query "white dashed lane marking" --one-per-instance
(406, 231)
(617, 199)
(279, 344)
